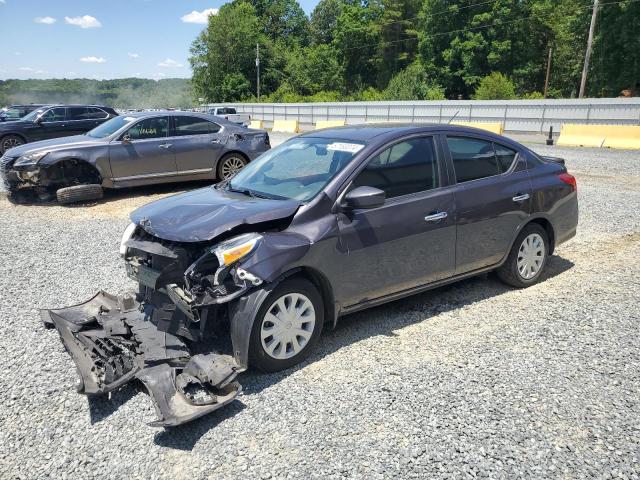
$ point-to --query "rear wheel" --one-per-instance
(10, 141)
(287, 326)
(527, 258)
(229, 165)
(79, 193)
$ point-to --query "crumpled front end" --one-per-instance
(112, 341)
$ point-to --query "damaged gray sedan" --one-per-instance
(328, 223)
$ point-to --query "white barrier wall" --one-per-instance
(517, 115)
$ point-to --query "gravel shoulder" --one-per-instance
(475, 379)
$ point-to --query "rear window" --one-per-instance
(474, 158)
(185, 126)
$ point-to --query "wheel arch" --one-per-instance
(546, 224)
(83, 170)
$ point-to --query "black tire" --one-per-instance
(509, 272)
(258, 357)
(79, 193)
(228, 163)
(10, 141)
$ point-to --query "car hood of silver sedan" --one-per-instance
(203, 214)
(54, 144)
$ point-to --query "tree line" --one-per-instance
(123, 92)
(414, 49)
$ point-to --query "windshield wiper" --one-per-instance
(248, 192)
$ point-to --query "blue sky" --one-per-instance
(101, 39)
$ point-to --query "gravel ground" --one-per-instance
(471, 380)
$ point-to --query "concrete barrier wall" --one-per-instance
(525, 116)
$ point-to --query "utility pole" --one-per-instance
(587, 57)
(546, 80)
(258, 69)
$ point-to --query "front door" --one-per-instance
(197, 145)
(51, 124)
(143, 154)
(410, 240)
(493, 198)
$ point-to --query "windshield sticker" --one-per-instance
(345, 147)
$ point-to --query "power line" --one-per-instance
(461, 30)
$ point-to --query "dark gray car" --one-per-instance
(132, 150)
(328, 223)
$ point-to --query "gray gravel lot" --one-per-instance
(471, 380)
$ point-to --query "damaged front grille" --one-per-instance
(111, 342)
(6, 162)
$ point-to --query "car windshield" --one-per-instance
(30, 117)
(110, 127)
(298, 169)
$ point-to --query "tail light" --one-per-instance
(569, 180)
(266, 139)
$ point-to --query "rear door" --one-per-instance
(410, 240)
(143, 154)
(197, 144)
(493, 198)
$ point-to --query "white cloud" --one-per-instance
(26, 69)
(169, 63)
(199, 17)
(133, 55)
(86, 21)
(72, 74)
(93, 59)
(45, 20)
(2, 1)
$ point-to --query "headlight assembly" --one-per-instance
(232, 250)
(30, 159)
(128, 233)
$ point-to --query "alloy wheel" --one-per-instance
(530, 256)
(287, 326)
(231, 166)
(11, 142)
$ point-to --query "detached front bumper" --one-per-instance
(111, 343)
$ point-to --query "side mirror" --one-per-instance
(126, 138)
(364, 197)
(38, 121)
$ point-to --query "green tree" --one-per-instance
(356, 40)
(324, 21)
(412, 83)
(223, 55)
(313, 69)
(282, 20)
(495, 87)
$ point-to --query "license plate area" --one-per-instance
(142, 274)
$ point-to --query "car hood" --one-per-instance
(55, 144)
(203, 214)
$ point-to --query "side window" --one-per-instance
(505, 157)
(94, 113)
(193, 126)
(472, 158)
(150, 128)
(54, 115)
(404, 168)
(77, 113)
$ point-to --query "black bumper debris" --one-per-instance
(111, 343)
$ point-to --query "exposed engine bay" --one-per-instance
(183, 298)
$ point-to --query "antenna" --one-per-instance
(454, 116)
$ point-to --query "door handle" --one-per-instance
(215, 140)
(521, 198)
(165, 145)
(435, 217)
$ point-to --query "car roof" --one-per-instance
(368, 131)
(168, 112)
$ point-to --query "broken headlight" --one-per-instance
(30, 159)
(232, 250)
(128, 233)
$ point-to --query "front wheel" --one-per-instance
(527, 258)
(9, 141)
(287, 326)
(229, 165)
